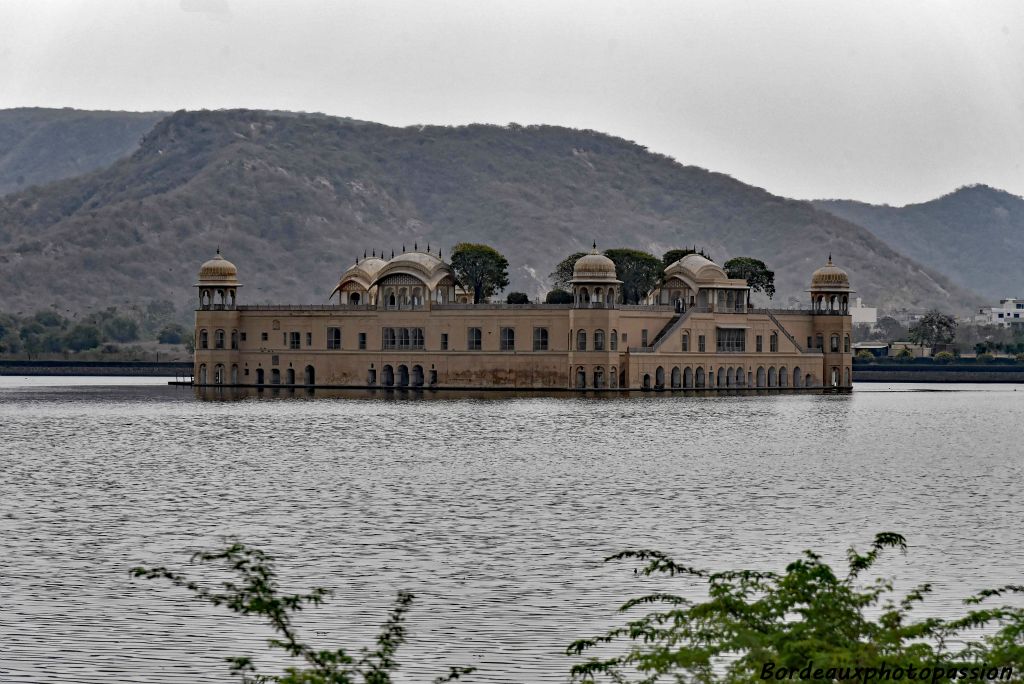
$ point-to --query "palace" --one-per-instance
(406, 322)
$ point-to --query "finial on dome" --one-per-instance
(428, 248)
(438, 252)
(364, 253)
(375, 252)
(218, 250)
(392, 254)
(830, 258)
(403, 249)
(415, 246)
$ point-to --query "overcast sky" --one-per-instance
(889, 101)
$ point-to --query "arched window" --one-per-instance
(614, 340)
(581, 340)
(598, 377)
(773, 342)
(202, 374)
(797, 377)
(677, 378)
(581, 378)
(309, 376)
(846, 344)
(834, 343)
(204, 339)
(234, 339)
(289, 376)
(613, 378)
(773, 378)
(353, 299)
(599, 340)
(762, 377)
(686, 342)
(659, 378)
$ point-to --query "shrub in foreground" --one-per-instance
(944, 357)
(257, 593)
(807, 615)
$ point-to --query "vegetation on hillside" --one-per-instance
(38, 146)
(47, 332)
(973, 235)
(291, 199)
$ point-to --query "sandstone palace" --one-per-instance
(406, 322)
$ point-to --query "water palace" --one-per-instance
(405, 322)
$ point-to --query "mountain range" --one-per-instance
(294, 199)
(975, 235)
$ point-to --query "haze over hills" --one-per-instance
(974, 235)
(39, 145)
(293, 199)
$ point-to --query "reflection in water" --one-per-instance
(494, 510)
(229, 393)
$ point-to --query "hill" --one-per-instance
(975, 235)
(38, 146)
(293, 199)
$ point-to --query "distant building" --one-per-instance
(1010, 312)
(863, 314)
(879, 349)
(406, 322)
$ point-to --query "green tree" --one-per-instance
(121, 329)
(49, 319)
(753, 623)
(256, 592)
(754, 271)
(561, 277)
(83, 336)
(639, 272)
(673, 255)
(479, 268)
(890, 330)
(171, 333)
(517, 298)
(934, 328)
(558, 296)
(158, 313)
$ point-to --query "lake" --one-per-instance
(495, 511)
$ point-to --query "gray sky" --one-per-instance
(885, 101)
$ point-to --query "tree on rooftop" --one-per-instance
(561, 277)
(479, 268)
(754, 271)
(639, 272)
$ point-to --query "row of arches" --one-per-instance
(599, 379)
(727, 377)
(219, 339)
(599, 340)
(402, 376)
(599, 295)
(220, 376)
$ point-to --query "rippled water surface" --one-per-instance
(494, 511)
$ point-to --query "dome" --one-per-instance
(830, 277)
(218, 270)
(593, 266)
